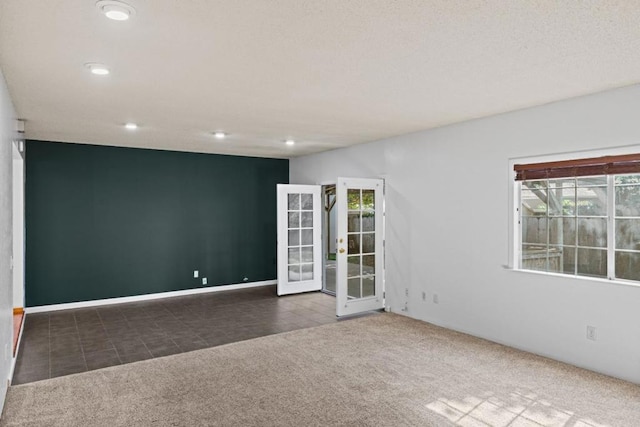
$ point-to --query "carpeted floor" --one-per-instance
(384, 370)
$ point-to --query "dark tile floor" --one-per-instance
(71, 341)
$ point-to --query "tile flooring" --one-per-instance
(71, 341)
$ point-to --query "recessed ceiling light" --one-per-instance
(290, 142)
(219, 134)
(98, 69)
(116, 10)
(131, 126)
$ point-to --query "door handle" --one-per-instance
(341, 250)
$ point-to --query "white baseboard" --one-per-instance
(121, 300)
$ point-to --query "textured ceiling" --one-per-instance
(328, 73)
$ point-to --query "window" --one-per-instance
(581, 217)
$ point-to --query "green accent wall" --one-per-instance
(105, 222)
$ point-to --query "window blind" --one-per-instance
(606, 165)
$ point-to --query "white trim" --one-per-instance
(620, 282)
(611, 228)
(121, 300)
(18, 254)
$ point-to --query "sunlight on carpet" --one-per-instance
(516, 409)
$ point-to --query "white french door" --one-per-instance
(360, 251)
(299, 239)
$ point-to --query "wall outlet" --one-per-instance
(196, 273)
(436, 300)
(204, 280)
(424, 296)
(591, 333)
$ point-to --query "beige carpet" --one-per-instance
(383, 370)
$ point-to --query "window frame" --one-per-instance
(515, 235)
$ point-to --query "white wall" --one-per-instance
(18, 227)
(448, 231)
(7, 117)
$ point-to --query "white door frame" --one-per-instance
(326, 233)
(18, 257)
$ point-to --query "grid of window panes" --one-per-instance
(361, 257)
(564, 226)
(627, 226)
(300, 237)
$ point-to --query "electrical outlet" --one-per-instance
(591, 333)
(204, 280)
(424, 296)
(196, 273)
(436, 300)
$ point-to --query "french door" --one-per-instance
(299, 239)
(359, 242)
(360, 250)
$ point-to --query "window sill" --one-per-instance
(567, 276)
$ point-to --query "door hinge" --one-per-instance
(384, 294)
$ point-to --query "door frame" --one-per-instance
(325, 238)
(18, 200)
